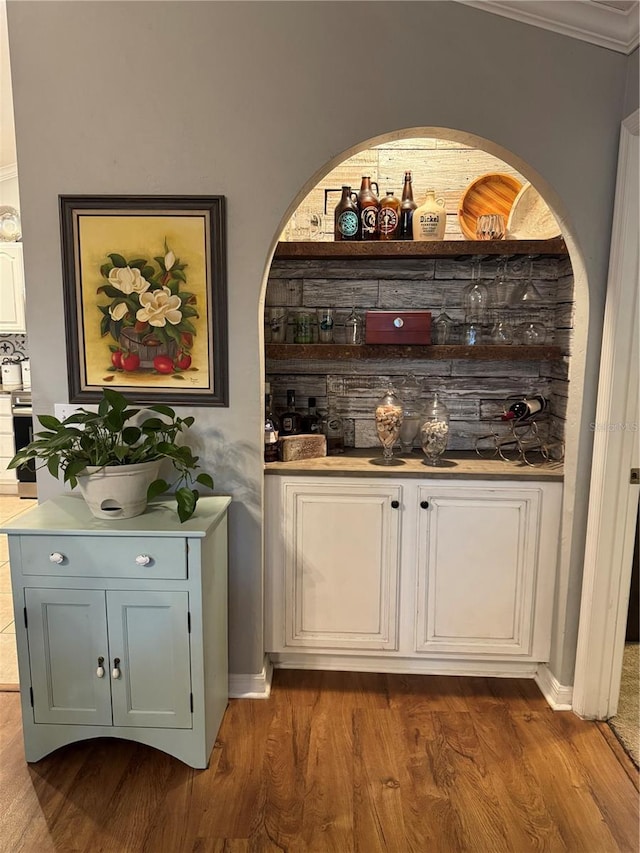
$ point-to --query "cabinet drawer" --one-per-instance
(101, 556)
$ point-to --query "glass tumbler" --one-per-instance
(325, 325)
(277, 320)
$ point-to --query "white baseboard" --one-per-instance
(559, 696)
(252, 685)
(403, 666)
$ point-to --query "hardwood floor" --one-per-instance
(334, 763)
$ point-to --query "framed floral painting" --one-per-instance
(145, 297)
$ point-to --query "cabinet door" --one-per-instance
(341, 565)
(148, 633)
(11, 288)
(67, 633)
(477, 559)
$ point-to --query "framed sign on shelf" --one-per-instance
(145, 297)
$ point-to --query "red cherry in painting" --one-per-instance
(131, 361)
(116, 358)
(183, 361)
(163, 364)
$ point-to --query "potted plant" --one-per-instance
(116, 462)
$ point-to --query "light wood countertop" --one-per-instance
(454, 465)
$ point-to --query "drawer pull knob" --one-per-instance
(395, 504)
(115, 672)
(398, 322)
(424, 504)
(100, 669)
(56, 558)
(143, 559)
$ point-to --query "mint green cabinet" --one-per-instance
(121, 627)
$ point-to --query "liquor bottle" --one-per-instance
(270, 429)
(389, 217)
(407, 206)
(346, 216)
(310, 420)
(430, 219)
(334, 429)
(290, 420)
(525, 408)
(369, 206)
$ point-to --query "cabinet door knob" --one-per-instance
(56, 558)
(424, 504)
(115, 672)
(398, 322)
(143, 559)
(100, 669)
(395, 504)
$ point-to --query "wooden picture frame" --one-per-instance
(145, 297)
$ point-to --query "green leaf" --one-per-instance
(53, 464)
(147, 272)
(117, 260)
(186, 326)
(49, 421)
(74, 468)
(187, 500)
(104, 325)
(158, 487)
(163, 410)
(205, 480)
(131, 434)
(138, 263)
(105, 269)
(177, 273)
(188, 311)
(160, 261)
(177, 376)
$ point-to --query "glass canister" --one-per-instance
(303, 329)
(388, 423)
(434, 432)
(354, 328)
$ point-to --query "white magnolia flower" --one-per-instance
(128, 280)
(169, 260)
(118, 311)
(159, 308)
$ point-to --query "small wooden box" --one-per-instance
(398, 327)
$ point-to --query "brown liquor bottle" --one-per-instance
(290, 420)
(389, 217)
(346, 216)
(407, 206)
(369, 206)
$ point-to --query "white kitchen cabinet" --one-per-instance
(340, 560)
(121, 627)
(8, 478)
(12, 313)
(443, 576)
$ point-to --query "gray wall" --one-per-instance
(251, 100)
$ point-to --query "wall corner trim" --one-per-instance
(252, 685)
(559, 696)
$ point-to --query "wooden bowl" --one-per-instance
(492, 193)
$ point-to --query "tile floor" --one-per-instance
(10, 507)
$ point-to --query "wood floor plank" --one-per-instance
(327, 825)
(237, 780)
(377, 798)
(426, 692)
(561, 779)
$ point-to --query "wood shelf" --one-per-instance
(484, 352)
(408, 249)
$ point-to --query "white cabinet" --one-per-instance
(424, 575)
(8, 478)
(112, 645)
(340, 564)
(12, 319)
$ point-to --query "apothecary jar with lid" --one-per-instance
(389, 416)
(434, 432)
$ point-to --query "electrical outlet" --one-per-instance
(64, 410)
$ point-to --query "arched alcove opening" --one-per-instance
(448, 160)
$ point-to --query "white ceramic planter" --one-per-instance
(118, 491)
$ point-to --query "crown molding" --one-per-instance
(597, 23)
